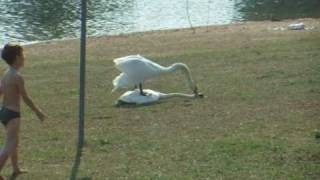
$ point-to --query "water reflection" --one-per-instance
(278, 9)
(30, 20)
(39, 19)
(168, 14)
(109, 16)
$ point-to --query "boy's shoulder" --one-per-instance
(15, 76)
(18, 77)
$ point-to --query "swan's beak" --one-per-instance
(195, 90)
(196, 93)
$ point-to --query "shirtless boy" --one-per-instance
(12, 88)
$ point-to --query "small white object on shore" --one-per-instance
(296, 26)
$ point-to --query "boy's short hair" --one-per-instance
(10, 52)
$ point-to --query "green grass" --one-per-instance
(258, 119)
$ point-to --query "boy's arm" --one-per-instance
(27, 99)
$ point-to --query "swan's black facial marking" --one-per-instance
(197, 94)
(195, 90)
(200, 95)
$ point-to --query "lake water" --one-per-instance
(39, 20)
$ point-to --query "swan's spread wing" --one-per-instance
(137, 67)
(122, 81)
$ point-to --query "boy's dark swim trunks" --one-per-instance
(6, 115)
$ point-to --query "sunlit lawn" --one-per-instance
(257, 121)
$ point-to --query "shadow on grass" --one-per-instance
(15, 175)
(123, 104)
(85, 178)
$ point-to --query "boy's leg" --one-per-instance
(14, 161)
(14, 157)
(11, 140)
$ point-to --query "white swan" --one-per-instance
(137, 69)
(134, 97)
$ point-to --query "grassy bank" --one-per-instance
(257, 121)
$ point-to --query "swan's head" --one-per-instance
(196, 92)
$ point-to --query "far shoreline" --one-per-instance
(310, 23)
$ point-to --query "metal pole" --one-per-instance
(80, 144)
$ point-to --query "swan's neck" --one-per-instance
(185, 69)
(182, 95)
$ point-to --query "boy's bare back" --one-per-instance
(10, 84)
